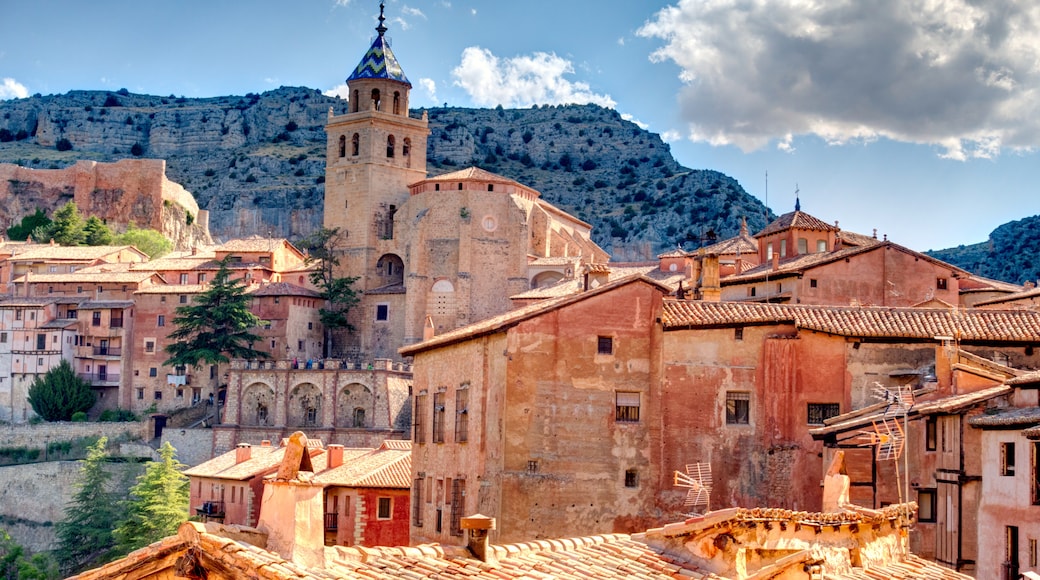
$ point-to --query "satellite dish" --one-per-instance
(697, 481)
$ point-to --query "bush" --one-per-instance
(63, 144)
(112, 101)
(137, 150)
(291, 126)
(6, 135)
(117, 416)
(79, 417)
(209, 173)
(59, 393)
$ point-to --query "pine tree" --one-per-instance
(59, 393)
(67, 226)
(158, 503)
(85, 534)
(15, 564)
(216, 326)
(96, 233)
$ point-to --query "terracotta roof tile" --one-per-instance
(796, 220)
(1030, 378)
(70, 253)
(475, 174)
(88, 277)
(285, 289)
(1021, 295)
(255, 244)
(382, 468)
(864, 322)
(1017, 417)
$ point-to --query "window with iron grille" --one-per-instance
(458, 498)
(626, 407)
(438, 417)
(417, 488)
(631, 478)
(418, 429)
(738, 407)
(461, 415)
(820, 412)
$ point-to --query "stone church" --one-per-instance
(431, 253)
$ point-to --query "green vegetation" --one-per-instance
(116, 416)
(85, 533)
(59, 393)
(216, 327)
(158, 503)
(63, 144)
(148, 241)
(15, 564)
(1012, 253)
(338, 292)
(29, 223)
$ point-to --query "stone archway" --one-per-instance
(304, 406)
(544, 279)
(257, 405)
(355, 407)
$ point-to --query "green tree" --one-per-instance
(96, 233)
(67, 225)
(323, 247)
(148, 241)
(85, 533)
(15, 564)
(216, 326)
(29, 223)
(59, 393)
(158, 503)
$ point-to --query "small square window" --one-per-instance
(738, 408)
(605, 345)
(940, 284)
(926, 505)
(183, 298)
(626, 407)
(1007, 458)
(384, 508)
(631, 478)
(382, 312)
(813, 283)
(738, 333)
(149, 346)
(161, 320)
(158, 395)
(532, 466)
(162, 299)
(153, 372)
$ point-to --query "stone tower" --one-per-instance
(373, 153)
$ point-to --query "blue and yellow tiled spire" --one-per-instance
(379, 62)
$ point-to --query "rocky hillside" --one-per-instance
(1012, 253)
(256, 162)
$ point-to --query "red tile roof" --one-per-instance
(380, 468)
(862, 322)
(796, 220)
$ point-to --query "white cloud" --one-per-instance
(339, 90)
(473, 11)
(271, 80)
(521, 81)
(342, 3)
(959, 74)
(12, 89)
(621, 41)
(640, 124)
(671, 136)
(412, 12)
(401, 23)
(430, 86)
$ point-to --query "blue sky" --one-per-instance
(919, 118)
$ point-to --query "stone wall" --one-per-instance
(193, 445)
(39, 435)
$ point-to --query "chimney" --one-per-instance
(243, 452)
(293, 508)
(837, 243)
(477, 527)
(335, 452)
(265, 443)
(429, 330)
(195, 250)
(776, 261)
(709, 288)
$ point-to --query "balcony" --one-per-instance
(108, 351)
(178, 380)
(331, 520)
(211, 510)
(101, 379)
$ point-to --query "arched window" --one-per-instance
(354, 101)
(261, 414)
(342, 145)
(355, 144)
(375, 98)
(397, 102)
(359, 417)
(406, 147)
(390, 146)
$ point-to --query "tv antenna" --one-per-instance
(697, 481)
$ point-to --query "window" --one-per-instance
(1007, 458)
(1035, 485)
(783, 248)
(17, 314)
(751, 292)
(383, 508)
(813, 283)
(299, 345)
(202, 278)
(769, 251)
(532, 466)
(461, 415)
(926, 505)
(153, 372)
(140, 393)
(738, 333)
(940, 284)
(1032, 553)
(359, 417)
(160, 320)
(149, 346)
(184, 278)
(79, 289)
(397, 102)
(342, 145)
(390, 146)
(355, 145)
(95, 319)
(417, 488)
(100, 289)
(820, 412)
(3, 337)
(382, 312)
(821, 246)
(458, 496)
(626, 407)
(803, 246)
(738, 407)
(158, 395)
(418, 429)
(406, 147)
(631, 478)
(930, 425)
(41, 342)
(438, 417)
(183, 298)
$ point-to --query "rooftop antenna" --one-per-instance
(697, 481)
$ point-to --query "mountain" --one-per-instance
(1012, 253)
(257, 162)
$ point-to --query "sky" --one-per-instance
(917, 118)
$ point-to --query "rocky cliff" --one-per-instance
(256, 162)
(1012, 253)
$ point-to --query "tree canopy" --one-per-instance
(59, 393)
(338, 292)
(158, 503)
(28, 225)
(85, 533)
(216, 326)
(148, 241)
